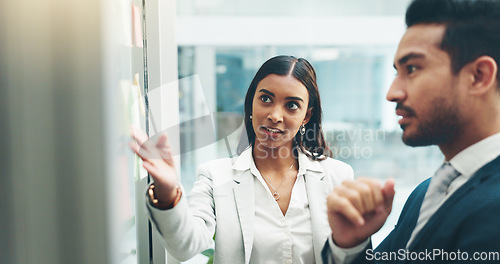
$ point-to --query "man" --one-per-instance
(447, 92)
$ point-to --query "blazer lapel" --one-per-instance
(439, 214)
(455, 199)
(317, 192)
(245, 203)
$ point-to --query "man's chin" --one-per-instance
(416, 141)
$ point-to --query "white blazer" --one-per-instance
(222, 202)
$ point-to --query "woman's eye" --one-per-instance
(265, 99)
(293, 105)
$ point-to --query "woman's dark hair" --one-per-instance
(312, 143)
(472, 27)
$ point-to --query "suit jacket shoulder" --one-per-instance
(465, 222)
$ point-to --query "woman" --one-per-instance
(268, 205)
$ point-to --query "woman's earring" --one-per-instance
(250, 117)
(302, 130)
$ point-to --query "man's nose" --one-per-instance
(396, 92)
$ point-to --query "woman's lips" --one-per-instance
(271, 132)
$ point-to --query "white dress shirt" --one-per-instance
(282, 238)
(467, 162)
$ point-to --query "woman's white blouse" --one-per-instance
(229, 199)
(282, 239)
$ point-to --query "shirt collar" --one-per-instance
(245, 162)
(471, 159)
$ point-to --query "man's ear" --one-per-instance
(308, 116)
(484, 70)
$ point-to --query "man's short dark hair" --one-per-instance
(472, 27)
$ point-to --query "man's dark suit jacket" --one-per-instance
(468, 221)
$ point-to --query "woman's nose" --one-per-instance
(276, 115)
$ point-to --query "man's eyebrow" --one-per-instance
(288, 98)
(408, 57)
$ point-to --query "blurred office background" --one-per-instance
(76, 75)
